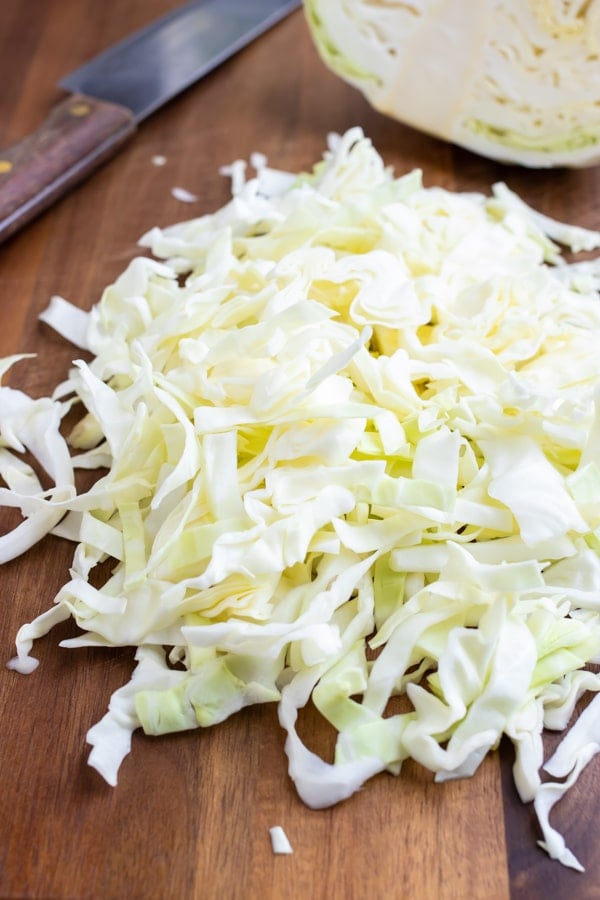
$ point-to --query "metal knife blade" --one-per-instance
(150, 67)
(112, 93)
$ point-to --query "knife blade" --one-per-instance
(110, 95)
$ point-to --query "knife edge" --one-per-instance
(151, 66)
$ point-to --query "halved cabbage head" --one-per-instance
(514, 80)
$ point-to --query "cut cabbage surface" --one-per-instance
(349, 433)
(514, 80)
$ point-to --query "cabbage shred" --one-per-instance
(350, 428)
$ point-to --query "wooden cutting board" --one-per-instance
(190, 817)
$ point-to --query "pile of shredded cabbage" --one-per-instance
(351, 436)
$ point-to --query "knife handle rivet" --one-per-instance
(80, 109)
(5, 166)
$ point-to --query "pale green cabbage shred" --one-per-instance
(351, 431)
(514, 80)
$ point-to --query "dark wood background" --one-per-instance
(191, 813)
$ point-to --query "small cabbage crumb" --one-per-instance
(183, 195)
(159, 160)
(279, 841)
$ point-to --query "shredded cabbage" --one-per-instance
(351, 433)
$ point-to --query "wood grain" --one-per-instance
(191, 813)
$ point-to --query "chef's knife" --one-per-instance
(110, 95)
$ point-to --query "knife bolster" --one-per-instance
(79, 134)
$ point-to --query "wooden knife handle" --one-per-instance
(79, 134)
